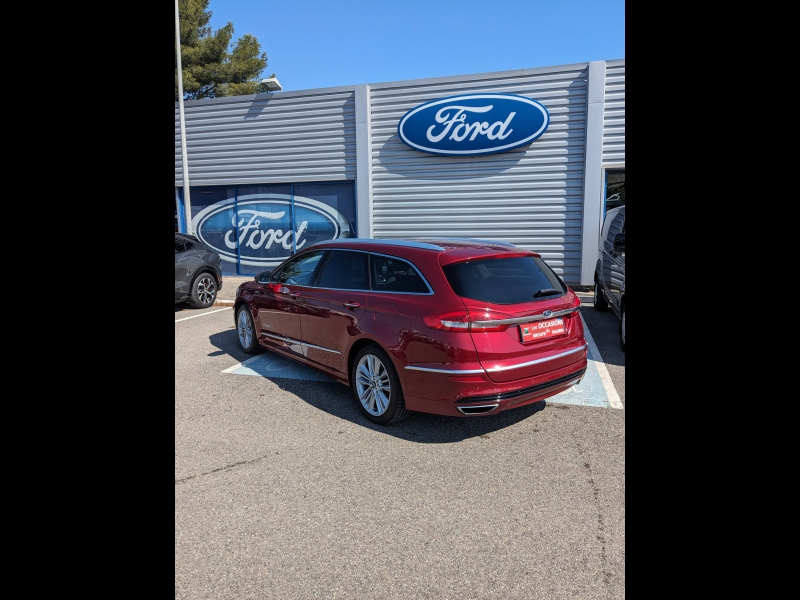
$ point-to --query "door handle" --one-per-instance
(294, 295)
(352, 305)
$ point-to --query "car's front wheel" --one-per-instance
(246, 331)
(204, 291)
(377, 387)
(622, 329)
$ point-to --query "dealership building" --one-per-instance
(534, 157)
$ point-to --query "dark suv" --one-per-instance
(198, 272)
(609, 274)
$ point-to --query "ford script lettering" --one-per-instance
(473, 124)
(261, 228)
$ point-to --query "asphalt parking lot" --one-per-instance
(283, 490)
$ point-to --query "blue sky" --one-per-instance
(323, 43)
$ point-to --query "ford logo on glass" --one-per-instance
(261, 226)
(473, 124)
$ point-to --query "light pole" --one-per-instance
(184, 162)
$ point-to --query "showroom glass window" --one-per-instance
(615, 189)
(256, 227)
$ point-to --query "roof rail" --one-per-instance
(388, 242)
(460, 239)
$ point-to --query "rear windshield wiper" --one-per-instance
(547, 292)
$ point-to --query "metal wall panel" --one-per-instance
(614, 113)
(285, 137)
(531, 196)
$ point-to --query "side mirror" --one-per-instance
(263, 277)
(619, 243)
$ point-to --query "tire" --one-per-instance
(622, 329)
(383, 404)
(600, 302)
(246, 331)
(204, 291)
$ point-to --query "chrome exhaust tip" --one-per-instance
(477, 410)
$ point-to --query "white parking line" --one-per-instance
(241, 364)
(608, 385)
(202, 315)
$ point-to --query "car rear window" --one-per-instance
(183, 245)
(503, 280)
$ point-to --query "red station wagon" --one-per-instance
(449, 326)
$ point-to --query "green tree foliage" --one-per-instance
(213, 66)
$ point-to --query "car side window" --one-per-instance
(182, 246)
(345, 270)
(390, 274)
(617, 226)
(300, 270)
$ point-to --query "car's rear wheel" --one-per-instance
(204, 291)
(599, 300)
(377, 387)
(622, 329)
(246, 331)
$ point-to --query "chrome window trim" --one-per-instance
(518, 320)
(536, 362)
(430, 291)
(416, 268)
(297, 342)
(407, 244)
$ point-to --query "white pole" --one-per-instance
(184, 162)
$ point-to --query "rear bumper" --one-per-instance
(488, 398)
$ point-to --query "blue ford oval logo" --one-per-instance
(547, 313)
(471, 124)
(260, 226)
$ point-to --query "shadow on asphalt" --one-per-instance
(604, 329)
(337, 400)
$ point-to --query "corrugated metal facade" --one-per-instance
(531, 197)
(292, 137)
(614, 113)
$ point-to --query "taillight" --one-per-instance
(576, 301)
(481, 320)
(448, 321)
(467, 321)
